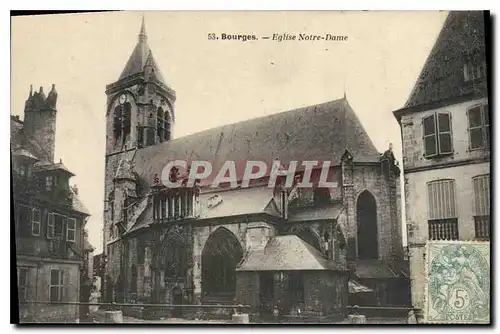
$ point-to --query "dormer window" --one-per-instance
(474, 71)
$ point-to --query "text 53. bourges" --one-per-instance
(278, 37)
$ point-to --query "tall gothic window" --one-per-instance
(160, 124)
(126, 120)
(117, 122)
(168, 126)
(140, 135)
(150, 131)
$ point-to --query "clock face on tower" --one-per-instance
(123, 99)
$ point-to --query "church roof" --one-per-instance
(327, 212)
(287, 252)
(442, 76)
(319, 132)
(141, 55)
(229, 203)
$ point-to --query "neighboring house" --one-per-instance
(204, 245)
(49, 217)
(445, 127)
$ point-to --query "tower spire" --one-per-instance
(142, 35)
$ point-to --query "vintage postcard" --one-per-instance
(251, 167)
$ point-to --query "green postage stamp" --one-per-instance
(457, 288)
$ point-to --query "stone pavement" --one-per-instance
(98, 317)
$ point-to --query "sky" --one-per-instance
(217, 82)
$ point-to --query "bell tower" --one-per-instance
(139, 113)
(140, 105)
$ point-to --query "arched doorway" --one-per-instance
(177, 300)
(221, 255)
(171, 264)
(366, 211)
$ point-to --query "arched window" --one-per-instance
(168, 126)
(133, 279)
(366, 210)
(150, 131)
(160, 124)
(117, 122)
(126, 119)
(221, 255)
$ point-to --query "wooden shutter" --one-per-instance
(50, 226)
(429, 136)
(481, 186)
(445, 134)
(476, 135)
(441, 199)
(67, 290)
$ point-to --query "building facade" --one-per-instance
(49, 218)
(200, 245)
(445, 131)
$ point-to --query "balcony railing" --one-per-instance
(43, 247)
(443, 229)
(482, 227)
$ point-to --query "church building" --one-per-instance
(308, 251)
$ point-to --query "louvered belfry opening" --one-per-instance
(221, 255)
(366, 212)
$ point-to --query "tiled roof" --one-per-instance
(442, 76)
(87, 246)
(255, 200)
(22, 152)
(319, 132)
(356, 287)
(373, 269)
(140, 56)
(287, 252)
(77, 205)
(330, 211)
(49, 167)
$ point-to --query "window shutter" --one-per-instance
(476, 136)
(444, 130)
(67, 290)
(429, 136)
(50, 226)
(481, 195)
(441, 199)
